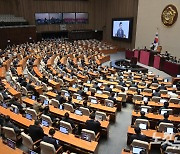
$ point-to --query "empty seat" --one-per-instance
(137, 98)
(141, 144)
(47, 118)
(66, 125)
(32, 112)
(142, 121)
(156, 99)
(172, 150)
(68, 107)
(109, 103)
(55, 103)
(85, 111)
(162, 126)
(89, 133)
(100, 115)
(47, 148)
(174, 100)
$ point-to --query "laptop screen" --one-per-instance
(79, 98)
(111, 86)
(178, 76)
(45, 123)
(99, 92)
(165, 80)
(46, 102)
(74, 86)
(61, 107)
(63, 130)
(145, 110)
(88, 82)
(15, 110)
(32, 152)
(11, 143)
(33, 97)
(137, 150)
(4, 105)
(94, 101)
(85, 89)
(86, 136)
(169, 130)
(109, 104)
(28, 116)
(66, 94)
(163, 111)
(145, 99)
(99, 117)
(174, 86)
(143, 126)
(99, 84)
(78, 112)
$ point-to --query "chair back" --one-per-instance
(141, 144)
(47, 118)
(172, 149)
(109, 103)
(1, 98)
(134, 89)
(42, 97)
(137, 98)
(147, 90)
(163, 92)
(100, 115)
(174, 100)
(156, 99)
(68, 107)
(47, 148)
(66, 125)
(163, 126)
(55, 103)
(24, 91)
(141, 121)
(123, 96)
(27, 141)
(85, 111)
(32, 112)
(9, 133)
(106, 93)
(89, 132)
(170, 111)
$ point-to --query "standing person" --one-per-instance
(120, 31)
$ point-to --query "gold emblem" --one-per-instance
(169, 15)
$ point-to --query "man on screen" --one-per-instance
(120, 31)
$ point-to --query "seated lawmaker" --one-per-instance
(70, 102)
(107, 88)
(138, 135)
(67, 119)
(44, 79)
(166, 116)
(35, 131)
(50, 139)
(142, 115)
(111, 97)
(60, 98)
(165, 106)
(8, 123)
(93, 124)
(156, 93)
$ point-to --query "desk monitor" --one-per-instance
(4, 105)
(45, 123)
(33, 97)
(99, 92)
(101, 78)
(32, 152)
(137, 150)
(126, 88)
(129, 70)
(99, 117)
(169, 130)
(63, 130)
(85, 89)
(94, 101)
(86, 136)
(111, 86)
(28, 116)
(178, 75)
(174, 86)
(109, 104)
(154, 91)
(15, 110)
(163, 111)
(46, 102)
(165, 80)
(74, 86)
(145, 99)
(79, 98)
(143, 126)
(11, 143)
(66, 94)
(99, 84)
(61, 107)
(78, 112)
(88, 82)
(145, 110)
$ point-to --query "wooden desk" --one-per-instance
(2, 72)
(7, 150)
(154, 118)
(37, 72)
(65, 138)
(19, 70)
(150, 133)
(108, 82)
(54, 84)
(123, 152)
(11, 90)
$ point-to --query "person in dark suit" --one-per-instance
(165, 106)
(107, 88)
(111, 97)
(166, 116)
(4, 93)
(120, 31)
(133, 84)
(46, 112)
(44, 79)
(93, 124)
(50, 139)
(70, 102)
(155, 80)
(60, 98)
(81, 92)
(162, 87)
(138, 135)
(121, 82)
(35, 131)
(142, 115)
(8, 123)
(156, 93)
(16, 102)
(67, 119)
(96, 86)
